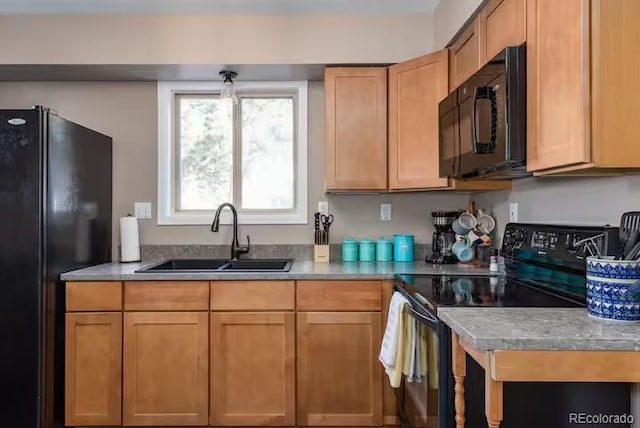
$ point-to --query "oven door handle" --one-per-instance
(430, 320)
(424, 318)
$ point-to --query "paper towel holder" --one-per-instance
(129, 240)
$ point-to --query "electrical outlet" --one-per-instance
(323, 207)
(385, 212)
(513, 212)
(142, 209)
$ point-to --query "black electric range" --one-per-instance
(544, 266)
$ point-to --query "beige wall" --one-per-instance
(214, 39)
(449, 17)
(127, 112)
(595, 200)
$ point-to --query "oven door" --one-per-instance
(418, 401)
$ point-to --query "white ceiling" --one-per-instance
(215, 6)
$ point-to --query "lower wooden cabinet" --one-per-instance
(253, 368)
(93, 369)
(253, 364)
(339, 376)
(166, 368)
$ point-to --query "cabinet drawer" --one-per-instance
(252, 295)
(94, 296)
(339, 295)
(166, 296)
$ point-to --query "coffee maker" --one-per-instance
(443, 238)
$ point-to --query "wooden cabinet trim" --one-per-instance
(367, 165)
(252, 295)
(339, 295)
(133, 386)
(101, 296)
(80, 370)
(166, 296)
(219, 373)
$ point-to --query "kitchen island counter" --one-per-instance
(537, 345)
(539, 328)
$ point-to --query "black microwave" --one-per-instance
(482, 124)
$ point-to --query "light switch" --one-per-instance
(142, 209)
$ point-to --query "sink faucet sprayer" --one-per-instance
(236, 249)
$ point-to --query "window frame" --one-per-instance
(168, 214)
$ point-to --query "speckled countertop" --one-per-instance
(539, 328)
(299, 270)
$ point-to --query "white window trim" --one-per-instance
(166, 208)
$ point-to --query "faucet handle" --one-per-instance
(245, 250)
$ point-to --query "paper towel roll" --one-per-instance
(129, 239)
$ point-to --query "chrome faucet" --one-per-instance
(236, 249)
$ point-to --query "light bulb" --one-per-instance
(228, 93)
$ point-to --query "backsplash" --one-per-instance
(296, 252)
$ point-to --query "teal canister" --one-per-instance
(367, 250)
(349, 250)
(403, 248)
(384, 250)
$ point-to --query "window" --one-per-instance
(253, 155)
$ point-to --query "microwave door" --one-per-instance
(482, 128)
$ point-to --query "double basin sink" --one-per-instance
(219, 266)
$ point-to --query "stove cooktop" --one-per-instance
(481, 291)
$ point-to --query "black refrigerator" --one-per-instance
(55, 216)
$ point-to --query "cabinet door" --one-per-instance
(356, 128)
(339, 376)
(253, 369)
(502, 23)
(416, 88)
(464, 56)
(166, 368)
(93, 369)
(557, 84)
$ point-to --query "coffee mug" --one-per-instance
(462, 250)
(463, 224)
(485, 222)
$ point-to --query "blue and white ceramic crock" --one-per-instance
(608, 284)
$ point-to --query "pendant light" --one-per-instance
(228, 92)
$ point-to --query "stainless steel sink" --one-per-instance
(219, 265)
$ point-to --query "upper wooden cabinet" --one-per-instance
(355, 128)
(502, 23)
(464, 55)
(93, 368)
(166, 368)
(415, 90)
(583, 86)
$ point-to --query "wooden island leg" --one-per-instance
(493, 401)
(458, 358)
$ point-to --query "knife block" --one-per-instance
(321, 253)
